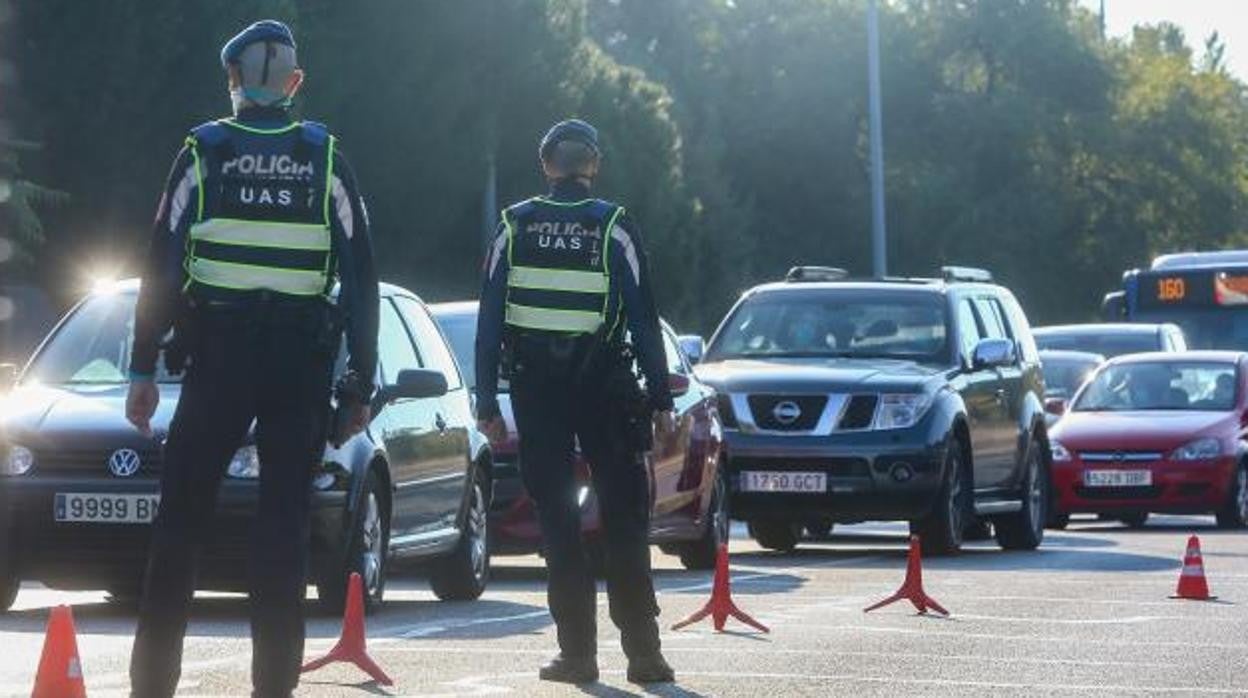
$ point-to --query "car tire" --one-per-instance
(780, 536)
(463, 574)
(1058, 521)
(941, 531)
(366, 553)
(700, 554)
(1024, 530)
(1136, 519)
(820, 529)
(1235, 513)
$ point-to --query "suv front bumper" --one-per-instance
(871, 475)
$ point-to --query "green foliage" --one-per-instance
(735, 131)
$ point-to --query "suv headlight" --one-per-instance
(901, 410)
(18, 460)
(1060, 453)
(1206, 448)
(246, 464)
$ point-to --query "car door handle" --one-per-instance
(440, 423)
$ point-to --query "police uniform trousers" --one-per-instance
(243, 366)
(552, 413)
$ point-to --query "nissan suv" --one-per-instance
(889, 399)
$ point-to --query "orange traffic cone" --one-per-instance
(350, 647)
(1192, 584)
(60, 672)
(721, 606)
(912, 588)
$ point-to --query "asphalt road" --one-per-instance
(1088, 614)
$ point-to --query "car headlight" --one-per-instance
(18, 460)
(901, 410)
(1206, 448)
(246, 464)
(1060, 453)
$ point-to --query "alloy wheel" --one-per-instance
(1241, 492)
(373, 540)
(477, 532)
(1035, 493)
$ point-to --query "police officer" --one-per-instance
(259, 218)
(565, 278)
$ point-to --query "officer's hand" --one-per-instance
(358, 418)
(495, 429)
(664, 425)
(141, 404)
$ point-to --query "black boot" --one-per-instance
(563, 669)
(650, 667)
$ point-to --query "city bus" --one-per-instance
(1205, 293)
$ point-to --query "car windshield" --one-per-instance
(460, 329)
(834, 324)
(92, 346)
(1062, 377)
(1161, 385)
(1106, 344)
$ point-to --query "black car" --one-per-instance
(79, 485)
(896, 399)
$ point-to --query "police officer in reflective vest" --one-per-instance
(565, 279)
(258, 221)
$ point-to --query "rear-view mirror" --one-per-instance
(992, 353)
(8, 376)
(414, 383)
(1055, 406)
(693, 346)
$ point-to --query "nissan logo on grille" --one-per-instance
(124, 462)
(786, 412)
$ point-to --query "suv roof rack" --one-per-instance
(973, 274)
(816, 274)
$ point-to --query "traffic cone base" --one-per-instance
(912, 588)
(1192, 583)
(351, 645)
(721, 606)
(60, 671)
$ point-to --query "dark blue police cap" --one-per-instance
(574, 130)
(268, 30)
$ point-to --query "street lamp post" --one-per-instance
(879, 259)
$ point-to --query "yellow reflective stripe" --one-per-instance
(329, 177)
(249, 277)
(199, 177)
(557, 280)
(552, 320)
(272, 234)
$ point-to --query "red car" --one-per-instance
(689, 515)
(1156, 432)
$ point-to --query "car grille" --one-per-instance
(1151, 492)
(91, 462)
(834, 467)
(860, 412)
(1120, 456)
(763, 407)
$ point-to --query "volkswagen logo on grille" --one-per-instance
(124, 462)
(786, 412)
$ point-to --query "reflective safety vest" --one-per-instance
(262, 217)
(559, 279)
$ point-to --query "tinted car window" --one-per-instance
(840, 323)
(461, 332)
(1106, 344)
(990, 313)
(1019, 328)
(968, 329)
(1062, 377)
(429, 339)
(1161, 385)
(93, 346)
(394, 347)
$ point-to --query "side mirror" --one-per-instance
(678, 384)
(1055, 406)
(414, 383)
(693, 346)
(8, 376)
(992, 353)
